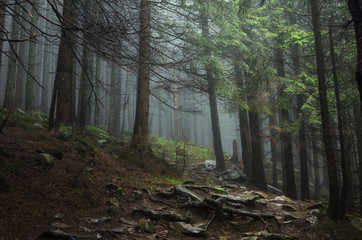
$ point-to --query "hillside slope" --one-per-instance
(75, 187)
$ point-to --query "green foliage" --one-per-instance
(166, 149)
(176, 181)
(18, 119)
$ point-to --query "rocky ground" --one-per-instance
(53, 188)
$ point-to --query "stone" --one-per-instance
(233, 174)
(282, 199)
(59, 216)
(245, 199)
(60, 225)
(48, 159)
(187, 229)
(113, 202)
(138, 195)
(210, 164)
(125, 221)
(147, 226)
(88, 169)
(119, 230)
(101, 142)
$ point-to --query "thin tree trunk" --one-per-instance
(358, 129)
(2, 24)
(219, 154)
(327, 135)
(10, 83)
(315, 147)
(286, 143)
(29, 87)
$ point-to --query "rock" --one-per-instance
(147, 226)
(245, 199)
(282, 199)
(187, 229)
(90, 220)
(138, 195)
(125, 221)
(233, 174)
(288, 208)
(59, 216)
(88, 169)
(60, 225)
(119, 230)
(188, 193)
(113, 202)
(101, 142)
(210, 164)
(320, 206)
(48, 159)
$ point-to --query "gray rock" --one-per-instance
(113, 202)
(119, 230)
(60, 225)
(48, 159)
(187, 229)
(101, 142)
(210, 164)
(125, 221)
(233, 174)
(245, 199)
(59, 216)
(138, 195)
(89, 169)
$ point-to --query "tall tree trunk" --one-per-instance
(273, 149)
(140, 130)
(64, 73)
(327, 135)
(2, 24)
(290, 186)
(83, 102)
(29, 87)
(244, 128)
(97, 92)
(303, 153)
(10, 83)
(346, 193)
(358, 130)
(355, 8)
(211, 81)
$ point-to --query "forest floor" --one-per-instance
(54, 188)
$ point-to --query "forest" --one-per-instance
(277, 84)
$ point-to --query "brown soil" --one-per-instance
(32, 192)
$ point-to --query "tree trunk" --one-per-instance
(303, 153)
(346, 193)
(10, 83)
(83, 102)
(257, 163)
(2, 24)
(29, 87)
(140, 130)
(355, 8)
(315, 147)
(64, 73)
(211, 81)
(286, 143)
(327, 135)
(358, 130)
